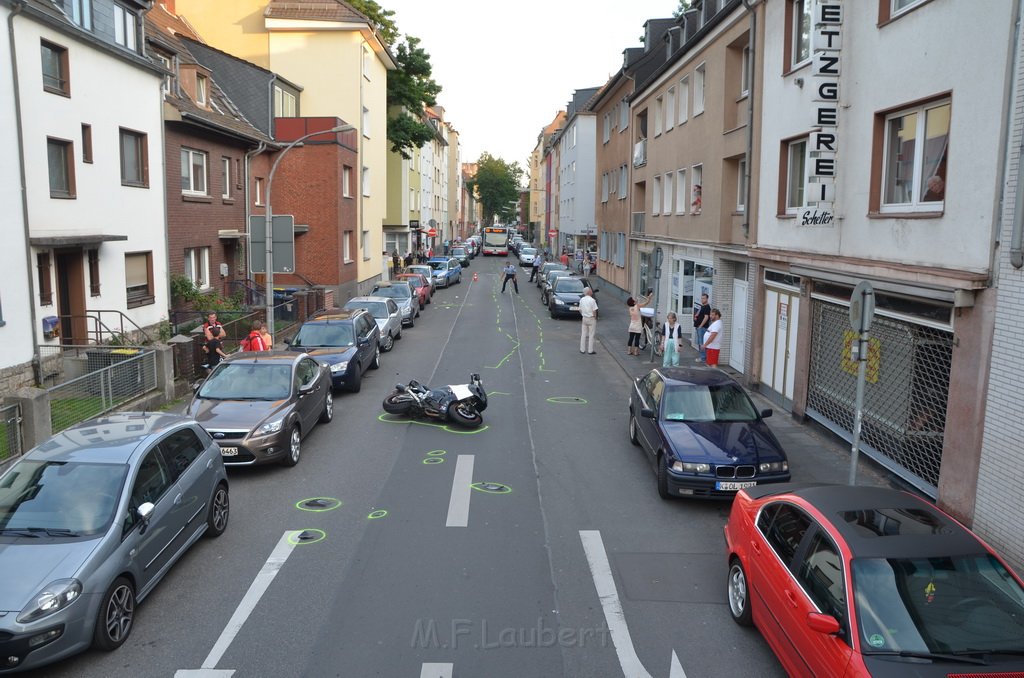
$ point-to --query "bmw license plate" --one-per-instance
(228, 451)
(723, 485)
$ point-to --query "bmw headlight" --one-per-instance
(559, 302)
(55, 597)
(773, 466)
(270, 427)
(339, 367)
(689, 467)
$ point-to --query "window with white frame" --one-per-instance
(914, 166)
(366, 62)
(168, 63)
(899, 6)
(225, 178)
(698, 89)
(258, 191)
(193, 172)
(366, 182)
(741, 185)
(624, 115)
(366, 245)
(656, 196)
(670, 108)
(604, 187)
(684, 100)
(659, 110)
(800, 50)
(666, 194)
(202, 89)
(346, 245)
(623, 178)
(697, 189)
(573, 131)
(796, 174)
(745, 72)
(285, 103)
(126, 25)
(366, 122)
(80, 12)
(681, 192)
(607, 134)
(346, 181)
(134, 158)
(620, 250)
(197, 266)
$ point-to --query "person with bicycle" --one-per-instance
(635, 323)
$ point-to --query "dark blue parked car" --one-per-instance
(347, 341)
(703, 433)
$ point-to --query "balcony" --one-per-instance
(640, 153)
(638, 223)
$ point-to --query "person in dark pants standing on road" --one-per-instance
(538, 261)
(510, 274)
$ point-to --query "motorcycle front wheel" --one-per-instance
(398, 403)
(465, 415)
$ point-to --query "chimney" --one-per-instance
(169, 6)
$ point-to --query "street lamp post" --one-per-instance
(269, 221)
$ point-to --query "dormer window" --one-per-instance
(80, 12)
(202, 87)
(126, 27)
(168, 63)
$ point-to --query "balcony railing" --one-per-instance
(640, 153)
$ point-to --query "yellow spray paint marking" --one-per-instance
(491, 488)
(433, 460)
(497, 393)
(567, 400)
(318, 504)
(315, 534)
(396, 419)
(374, 515)
(437, 453)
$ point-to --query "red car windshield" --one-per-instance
(948, 605)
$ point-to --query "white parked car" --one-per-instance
(527, 255)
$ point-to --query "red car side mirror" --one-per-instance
(822, 623)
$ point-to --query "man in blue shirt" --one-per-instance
(510, 274)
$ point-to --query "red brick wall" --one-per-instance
(195, 221)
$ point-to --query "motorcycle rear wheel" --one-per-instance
(398, 403)
(465, 415)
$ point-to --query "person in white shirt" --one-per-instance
(510, 274)
(713, 339)
(588, 310)
(671, 341)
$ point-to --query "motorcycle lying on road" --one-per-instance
(461, 404)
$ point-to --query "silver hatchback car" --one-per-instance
(91, 520)
(387, 314)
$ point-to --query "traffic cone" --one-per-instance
(475, 276)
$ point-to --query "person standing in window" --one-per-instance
(670, 341)
(936, 189)
(713, 341)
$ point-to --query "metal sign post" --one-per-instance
(659, 256)
(862, 310)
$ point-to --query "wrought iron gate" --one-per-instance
(905, 396)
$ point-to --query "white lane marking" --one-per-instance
(204, 673)
(248, 603)
(604, 582)
(437, 671)
(676, 670)
(458, 505)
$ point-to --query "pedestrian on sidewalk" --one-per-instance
(268, 339)
(213, 350)
(538, 261)
(671, 341)
(396, 263)
(701, 320)
(588, 312)
(211, 322)
(510, 274)
(713, 343)
(254, 340)
(636, 326)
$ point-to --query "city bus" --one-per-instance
(495, 241)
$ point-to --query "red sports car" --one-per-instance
(849, 581)
(420, 286)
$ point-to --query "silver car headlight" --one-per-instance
(270, 427)
(689, 467)
(773, 466)
(55, 597)
(339, 367)
(559, 302)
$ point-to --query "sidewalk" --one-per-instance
(815, 455)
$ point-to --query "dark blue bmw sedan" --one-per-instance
(703, 433)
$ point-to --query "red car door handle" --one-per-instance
(756, 547)
(791, 597)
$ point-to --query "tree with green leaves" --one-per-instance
(410, 87)
(496, 185)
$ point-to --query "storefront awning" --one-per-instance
(77, 240)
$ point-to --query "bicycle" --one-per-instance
(651, 336)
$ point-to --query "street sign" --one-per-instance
(432, 232)
(284, 243)
(552, 233)
(862, 306)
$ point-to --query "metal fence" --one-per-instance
(905, 396)
(112, 376)
(10, 432)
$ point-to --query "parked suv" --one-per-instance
(346, 341)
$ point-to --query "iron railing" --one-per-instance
(10, 433)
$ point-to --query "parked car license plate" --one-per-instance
(228, 451)
(725, 485)
(574, 307)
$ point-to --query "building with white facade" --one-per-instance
(879, 164)
(92, 160)
(577, 148)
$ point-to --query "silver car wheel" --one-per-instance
(120, 613)
(221, 509)
(738, 592)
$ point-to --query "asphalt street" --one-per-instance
(533, 546)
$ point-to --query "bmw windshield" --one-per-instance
(946, 605)
(248, 381)
(707, 403)
(59, 498)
